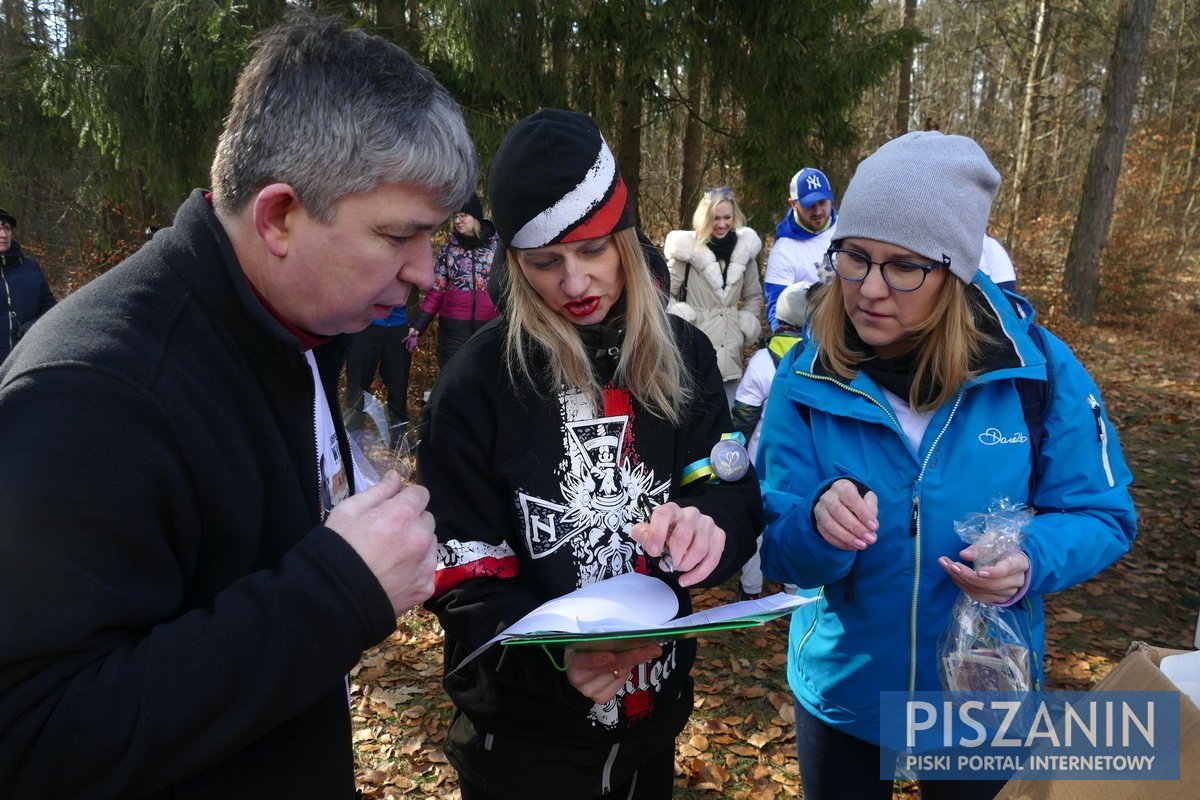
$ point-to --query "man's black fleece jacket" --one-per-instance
(174, 619)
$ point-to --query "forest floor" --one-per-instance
(740, 743)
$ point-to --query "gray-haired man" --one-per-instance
(188, 573)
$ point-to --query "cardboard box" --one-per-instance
(1138, 670)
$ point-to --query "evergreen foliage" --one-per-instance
(112, 109)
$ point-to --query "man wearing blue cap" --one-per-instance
(801, 237)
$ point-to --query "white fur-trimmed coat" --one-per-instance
(726, 310)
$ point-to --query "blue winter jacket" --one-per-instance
(881, 610)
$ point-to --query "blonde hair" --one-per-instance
(702, 217)
(650, 365)
(947, 342)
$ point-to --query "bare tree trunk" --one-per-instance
(629, 116)
(629, 148)
(984, 96)
(1190, 230)
(693, 144)
(1066, 107)
(1082, 276)
(1164, 169)
(1025, 137)
(14, 31)
(904, 89)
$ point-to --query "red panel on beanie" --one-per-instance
(605, 219)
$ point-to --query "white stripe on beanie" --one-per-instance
(572, 207)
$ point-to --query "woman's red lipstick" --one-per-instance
(582, 308)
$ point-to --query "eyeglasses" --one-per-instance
(901, 275)
(4, 226)
(723, 192)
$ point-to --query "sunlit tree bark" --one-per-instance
(904, 87)
(1082, 277)
(1028, 109)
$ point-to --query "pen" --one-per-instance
(664, 558)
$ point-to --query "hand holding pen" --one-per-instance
(686, 542)
(647, 510)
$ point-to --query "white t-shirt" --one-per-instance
(792, 260)
(331, 469)
(754, 389)
(913, 423)
(995, 263)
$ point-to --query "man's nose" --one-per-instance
(419, 271)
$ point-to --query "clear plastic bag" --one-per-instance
(983, 647)
(378, 443)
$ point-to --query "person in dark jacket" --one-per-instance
(557, 454)
(459, 297)
(380, 348)
(24, 293)
(191, 565)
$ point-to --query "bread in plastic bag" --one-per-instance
(984, 647)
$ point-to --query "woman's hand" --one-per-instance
(410, 340)
(845, 518)
(694, 540)
(599, 674)
(995, 584)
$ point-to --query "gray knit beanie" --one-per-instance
(925, 191)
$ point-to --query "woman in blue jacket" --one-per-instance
(902, 415)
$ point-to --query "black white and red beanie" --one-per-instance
(928, 192)
(554, 179)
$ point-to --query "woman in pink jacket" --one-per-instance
(459, 295)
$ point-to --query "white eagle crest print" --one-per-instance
(600, 482)
(600, 479)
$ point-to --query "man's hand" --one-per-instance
(389, 528)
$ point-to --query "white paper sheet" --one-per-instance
(1184, 672)
(632, 603)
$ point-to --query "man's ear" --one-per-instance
(275, 209)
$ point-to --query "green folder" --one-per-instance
(629, 610)
(626, 639)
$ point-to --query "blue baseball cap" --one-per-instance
(810, 186)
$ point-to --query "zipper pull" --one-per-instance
(1102, 436)
(1099, 419)
(916, 513)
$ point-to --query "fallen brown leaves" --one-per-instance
(1147, 369)
(400, 714)
(740, 743)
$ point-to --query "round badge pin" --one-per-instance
(730, 461)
